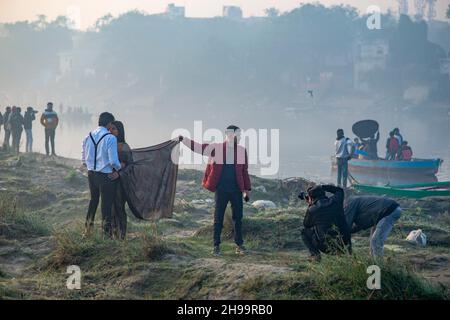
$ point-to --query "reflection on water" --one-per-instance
(68, 139)
(306, 143)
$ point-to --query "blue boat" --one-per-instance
(413, 167)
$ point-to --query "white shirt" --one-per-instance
(107, 155)
(343, 147)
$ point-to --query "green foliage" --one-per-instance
(71, 176)
(15, 223)
(344, 277)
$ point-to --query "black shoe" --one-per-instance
(216, 251)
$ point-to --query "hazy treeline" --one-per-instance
(138, 57)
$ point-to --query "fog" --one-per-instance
(296, 72)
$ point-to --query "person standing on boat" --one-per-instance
(400, 140)
(405, 153)
(371, 144)
(378, 213)
(344, 150)
(392, 146)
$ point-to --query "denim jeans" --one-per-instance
(342, 172)
(222, 199)
(381, 231)
(50, 139)
(29, 142)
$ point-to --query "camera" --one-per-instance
(302, 195)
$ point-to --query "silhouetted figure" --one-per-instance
(392, 146)
(7, 128)
(16, 124)
(371, 146)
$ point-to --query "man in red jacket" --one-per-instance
(227, 175)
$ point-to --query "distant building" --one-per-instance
(173, 11)
(369, 56)
(232, 12)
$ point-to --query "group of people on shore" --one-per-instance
(106, 154)
(14, 123)
(328, 223)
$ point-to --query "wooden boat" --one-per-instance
(415, 166)
(420, 190)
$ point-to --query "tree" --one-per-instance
(272, 12)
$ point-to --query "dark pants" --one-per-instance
(222, 198)
(7, 138)
(331, 243)
(50, 137)
(119, 215)
(101, 186)
(342, 172)
(16, 136)
(311, 241)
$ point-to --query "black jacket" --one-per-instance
(364, 212)
(28, 119)
(327, 214)
(16, 122)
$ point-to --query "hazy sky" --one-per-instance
(91, 10)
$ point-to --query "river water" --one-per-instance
(306, 139)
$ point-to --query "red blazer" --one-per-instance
(217, 155)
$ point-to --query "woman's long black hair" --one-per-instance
(121, 130)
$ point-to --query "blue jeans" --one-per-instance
(342, 172)
(381, 231)
(29, 143)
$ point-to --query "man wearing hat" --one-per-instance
(326, 229)
(28, 118)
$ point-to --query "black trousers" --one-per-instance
(102, 187)
(16, 137)
(332, 243)
(311, 241)
(7, 139)
(222, 198)
(50, 138)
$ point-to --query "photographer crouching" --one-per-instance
(326, 229)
